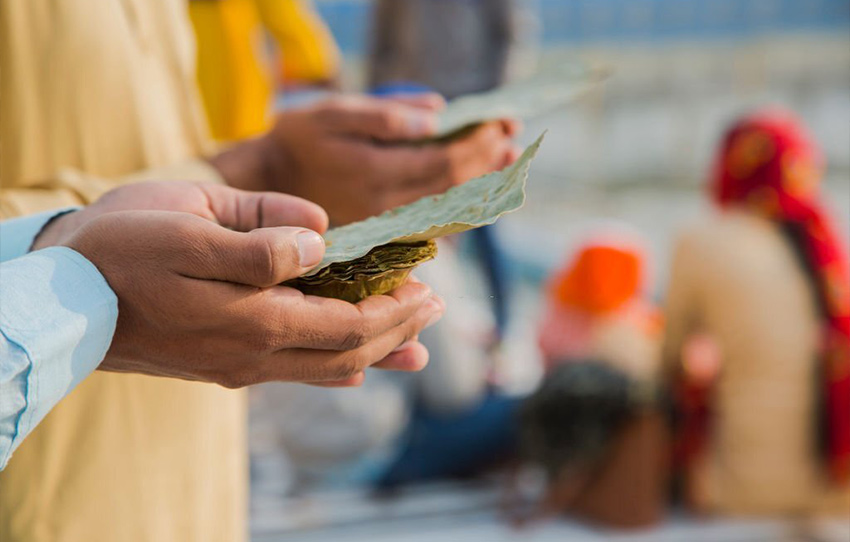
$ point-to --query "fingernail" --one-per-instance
(404, 346)
(420, 124)
(311, 248)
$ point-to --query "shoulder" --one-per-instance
(728, 230)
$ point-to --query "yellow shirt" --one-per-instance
(233, 74)
(95, 94)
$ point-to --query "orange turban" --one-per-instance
(602, 278)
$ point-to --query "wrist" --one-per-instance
(55, 231)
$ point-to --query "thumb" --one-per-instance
(244, 211)
(262, 258)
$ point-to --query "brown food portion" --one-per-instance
(382, 270)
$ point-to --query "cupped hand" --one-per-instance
(198, 301)
(358, 156)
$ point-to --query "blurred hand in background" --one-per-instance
(358, 156)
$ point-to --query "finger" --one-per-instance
(353, 382)
(511, 155)
(480, 152)
(281, 317)
(386, 120)
(331, 324)
(424, 100)
(244, 211)
(457, 161)
(314, 366)
(433, 169)
(412, 356)
(262, 258)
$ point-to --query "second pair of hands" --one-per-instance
(357, 156)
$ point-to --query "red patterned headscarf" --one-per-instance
(770, 166)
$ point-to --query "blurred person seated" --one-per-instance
(595, 424)
(596, 437)
(92, 294)
(596, 307)
(236, 73)
(758, 339)
(128, 110)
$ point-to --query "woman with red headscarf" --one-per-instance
(764, 428)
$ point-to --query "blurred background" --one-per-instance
(638, 150)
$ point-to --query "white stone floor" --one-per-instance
(461, 512)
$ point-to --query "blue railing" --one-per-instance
(591, 21)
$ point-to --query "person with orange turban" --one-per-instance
(597, 308)
(766, 429)
(596, 424)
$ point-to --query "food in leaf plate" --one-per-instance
(375, 256)
(381, 270)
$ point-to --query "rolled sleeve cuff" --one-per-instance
(17, 235)
(59, 310)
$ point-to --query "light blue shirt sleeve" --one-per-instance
(57, 319)
(18, 234)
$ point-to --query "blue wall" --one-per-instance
(590, 21)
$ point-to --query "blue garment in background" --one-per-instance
(456, 445)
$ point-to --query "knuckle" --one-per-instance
(388, 120)
(356, 336)
(263, 260)
(350, 366)
(265, 340)
(268, 329)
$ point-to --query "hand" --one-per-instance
(201, 302)
(357, 156)
(198, 301)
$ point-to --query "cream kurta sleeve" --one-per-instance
(93, 94)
